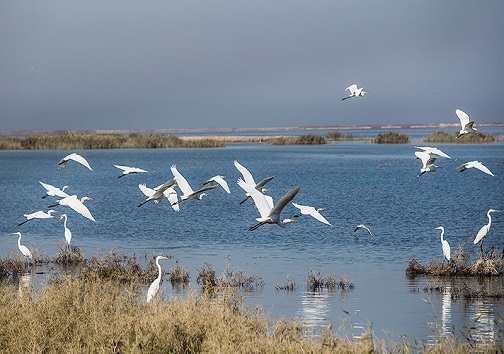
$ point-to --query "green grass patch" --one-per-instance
(392, 138)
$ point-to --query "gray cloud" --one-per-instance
(187, 64)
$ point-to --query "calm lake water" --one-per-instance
(355, 182)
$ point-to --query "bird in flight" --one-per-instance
(126, 170)
(188, 192)
(427, 162)
(220, 180)
(465, 124)
(76, 204)
(476, 164)
(309, 210)
(434, 151)
(75, 157)
(54, 191)
(354, 92)
(39, 215)
(364, 227)
(247, 177)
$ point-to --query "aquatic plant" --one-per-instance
(315, 281)
(308, 139)
(444, 137)
(337, 136)
(122, 268)
(392, 138)
(289, 285)
(179, 275)
(69, 255)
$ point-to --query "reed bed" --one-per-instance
(78, 141)
(308, 139)
(444, 137)
(392, 138)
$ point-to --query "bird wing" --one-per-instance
(284, 201)
(352, 88)
(77, 205)
(481, 167)
(221, 181)
(463, 117)
(171, 195)
(124, 168)
(181, 181)
(481, 233)
(423, 156)
(80, 159)
(153, 289)
(263, 182)
(305, 209)
(247, 176)
(203, 189)
(260, 201)
(316, 214)
(446, 249)
(432, 150)
(146, 190)
(462, 167)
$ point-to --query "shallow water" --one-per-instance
(355, 183)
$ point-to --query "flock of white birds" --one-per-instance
(268, 210)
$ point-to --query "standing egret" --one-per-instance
(434, 151)
(364, 227)
(220, 180)
(247, 177)
(158, 191)
(38, 215)
(169, 193)
(476, 164)
(309, 210)
(54, 191)
(68, 233)
(484, 229)
(75, 157)
(76, 204)
(270, 214)
(188, 192)
(23, 249)
(427, 162)
(465, 124)
(444, 244)
(354, 92)
(154, 287)
(129, 170)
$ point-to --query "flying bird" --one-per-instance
(484, 229)
(247, 177)
(154, 287)
(75, 157)
(270, 214)
(54, 191)
(38, 215)
(466, 125)
(157, 193)
(220, 180)
(188, 192)
(434, 151)
(476, 164)
(427, 162)
(76, 204)
(170, 193)
(309, 210)
(126, 170)
(444, 244)
(364, 227)
(354, 92)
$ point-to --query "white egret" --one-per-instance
(484, 229)
(247, 177)
(434, 151)
(75, 157)
(68, 233)
(427, 162)
(157, 193)
(169, 193)
(38, 215)
(465, 124)
(23, 249)
(54, 191)
(364, 227)
(354, 92)
(309, 210)
(220, 180)
(126, 170)
(270, 214)
(476, 164)
(188, 192)
(444, 244)
(76, 204)
(154, 287)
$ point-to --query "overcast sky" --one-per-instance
(96, 64)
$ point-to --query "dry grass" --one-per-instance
(69, 256)
(179, 275)
(444, 137)
(316, 281)
(79, 315)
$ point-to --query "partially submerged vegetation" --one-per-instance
(335, 135)
(308, 139)
(444, 137)
(74, 141)
(392, 138)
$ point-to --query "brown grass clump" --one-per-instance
(308, 139)
(179, 275)
(316, 281)
(289, 285)
(69, 256)
(12, 264)
(444, 137)
(122, 268)
(392, 138)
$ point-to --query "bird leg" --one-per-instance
(244, 200)
(252, 228)
(139, 205)
(297, 215)
(23, 222)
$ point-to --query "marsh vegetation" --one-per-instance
(392, 138)
(444, 137)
